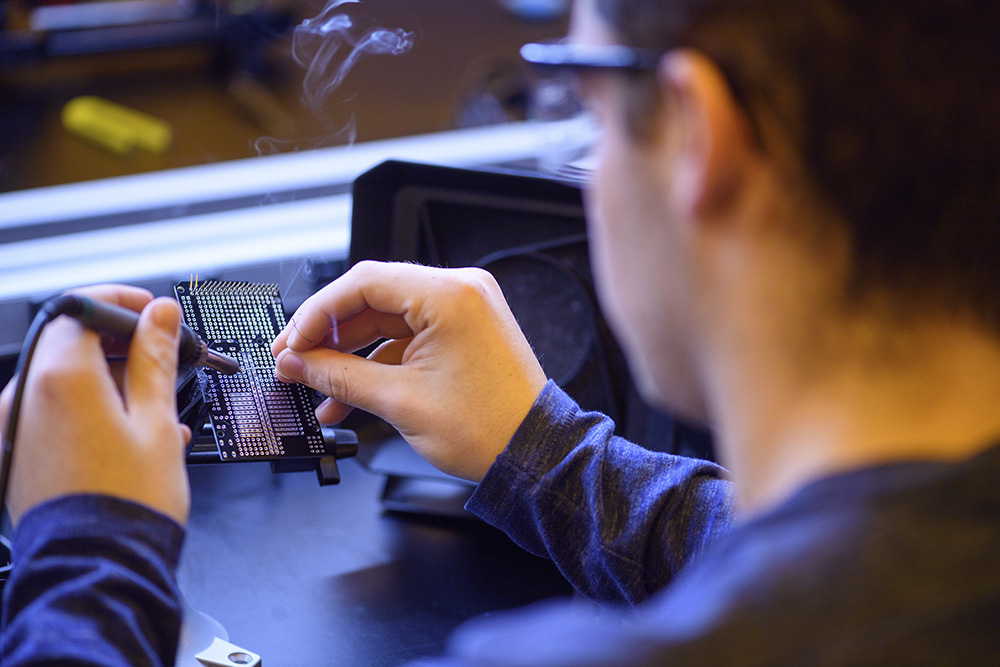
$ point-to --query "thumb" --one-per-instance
(151, 369)
(346, 378)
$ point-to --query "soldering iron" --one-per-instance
(105, 318)
(120, 323)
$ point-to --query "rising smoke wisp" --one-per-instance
(317, 42)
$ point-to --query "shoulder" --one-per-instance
(884, 565)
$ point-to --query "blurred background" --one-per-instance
(223, 75)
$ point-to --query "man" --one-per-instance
(795, 225)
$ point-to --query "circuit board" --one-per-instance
(254, 416)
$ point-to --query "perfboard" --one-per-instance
(254, 416)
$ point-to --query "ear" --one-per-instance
(711, 136)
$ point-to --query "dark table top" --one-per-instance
(309, 575)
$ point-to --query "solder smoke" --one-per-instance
(329, 44)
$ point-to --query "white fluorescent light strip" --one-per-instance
(104, 14)
(277, 173)
(198, 244)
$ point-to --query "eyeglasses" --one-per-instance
(571, 157)
(564, 55)
(567, 56)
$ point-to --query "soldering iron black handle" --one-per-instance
(120, 322)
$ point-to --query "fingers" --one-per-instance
(365, 329)
(390, 352)
(128, 296)
(360, 331)
(151, 369)
(67, 347)
(332, 411)
(341, 315)
(371, 301)
(347, 379)
(339, 302)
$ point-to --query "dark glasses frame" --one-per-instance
(567, 56)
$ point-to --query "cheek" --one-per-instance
(604, 219)
(640, 278)
(616, 287)
(615, 222)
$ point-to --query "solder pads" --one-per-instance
(254, 416)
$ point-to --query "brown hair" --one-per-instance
(894, 109)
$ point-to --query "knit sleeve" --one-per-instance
(93, 584)
(617, 519)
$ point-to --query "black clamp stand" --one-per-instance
(342, 442)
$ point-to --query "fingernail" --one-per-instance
(290, 365)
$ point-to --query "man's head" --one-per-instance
(880, 117)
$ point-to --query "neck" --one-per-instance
(927, 391)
